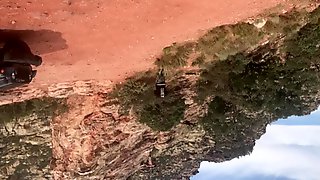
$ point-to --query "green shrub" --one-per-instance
(175, 55)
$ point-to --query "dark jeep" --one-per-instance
(16, 59)
(17, 51)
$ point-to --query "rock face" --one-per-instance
(25, 149)
(25, 139)
(189, 146)
(61, 90)
(91, 142)
(26, 131)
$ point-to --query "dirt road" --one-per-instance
(96, 39)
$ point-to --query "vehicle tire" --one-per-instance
(13, 76)
(30, 78)
(33, 73)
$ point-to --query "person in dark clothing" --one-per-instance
(161, 84)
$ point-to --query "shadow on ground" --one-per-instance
(40, 41)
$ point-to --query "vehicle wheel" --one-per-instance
(30, 78)
(13, 75)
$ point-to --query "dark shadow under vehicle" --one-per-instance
(41, 41)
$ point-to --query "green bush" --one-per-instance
(175, 55)
(158, 113)
(163, 113)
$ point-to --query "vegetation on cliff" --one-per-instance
(273, 77)
(44, 107)
(137, 94)
(246, 89)
(25, 138)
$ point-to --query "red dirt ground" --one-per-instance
(111, 39)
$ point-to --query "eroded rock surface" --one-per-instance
(91, 142)
(25, 138)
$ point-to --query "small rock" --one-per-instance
(68, 2)
(188, 101)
